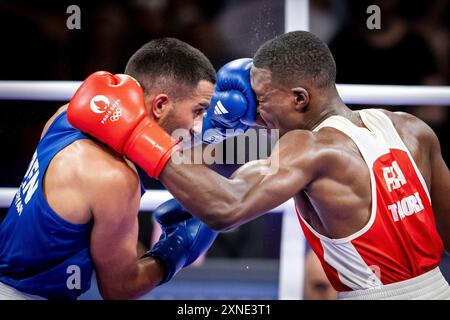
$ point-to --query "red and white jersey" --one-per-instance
(400, 241)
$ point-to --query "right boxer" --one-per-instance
(363, 181)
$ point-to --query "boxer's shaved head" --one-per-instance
(297, 56)
(170, 65)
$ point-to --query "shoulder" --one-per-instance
(410, 126)
(400, 116)
(296, 136)
(102, 166)
(309, 143)
(300, 143)
(325, 152)
(105, 179)
(313, 149)
(402, 119)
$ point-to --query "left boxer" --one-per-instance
(77, 206)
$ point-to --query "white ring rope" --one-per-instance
(350, 93)
(394, 95)
(149, 201)
(38, 90)
(292, 242)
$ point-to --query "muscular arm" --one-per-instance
(434, 169)
(107, 187)
(115, 202)
(440, 189)
(254, 189)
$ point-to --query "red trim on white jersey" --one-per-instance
(400, 241)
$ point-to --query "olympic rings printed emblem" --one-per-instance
(116, 115)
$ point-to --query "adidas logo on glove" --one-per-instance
(219, 108)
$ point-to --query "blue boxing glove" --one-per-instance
(184, 238)
(233, 105)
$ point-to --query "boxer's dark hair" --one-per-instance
(297, 55)
(171, 65)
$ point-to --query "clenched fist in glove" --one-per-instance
(111, 108)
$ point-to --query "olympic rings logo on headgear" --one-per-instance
(116, 115)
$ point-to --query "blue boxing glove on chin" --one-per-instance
(184, 238)
(233, 105)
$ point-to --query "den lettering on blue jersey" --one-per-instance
(41, 253)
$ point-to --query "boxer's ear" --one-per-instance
(301, 98)
(158, 105)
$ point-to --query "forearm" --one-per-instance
(209, 196)
(222, 203)
(147, 274)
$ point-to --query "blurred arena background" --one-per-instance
(411, 48)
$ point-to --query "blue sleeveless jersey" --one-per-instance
(40, 252)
